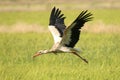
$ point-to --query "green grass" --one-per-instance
(107, 16)
(101, 50)
(10, 18)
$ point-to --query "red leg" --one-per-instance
(80, 57)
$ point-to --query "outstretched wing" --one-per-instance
(72, 33)
(56, 24)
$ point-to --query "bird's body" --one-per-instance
(64, 37)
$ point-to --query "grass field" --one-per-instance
(101, 49)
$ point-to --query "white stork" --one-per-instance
(65, 38)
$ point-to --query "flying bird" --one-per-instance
(65, 38)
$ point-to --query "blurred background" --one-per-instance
(34, 12)
(24, 30)
(35, 5)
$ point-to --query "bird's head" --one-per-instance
(40, 53)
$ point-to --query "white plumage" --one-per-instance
(55, 33)
(64, 37)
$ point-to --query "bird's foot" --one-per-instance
(85, 60)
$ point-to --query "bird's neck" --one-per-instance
(44, 51)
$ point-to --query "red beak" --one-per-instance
(36, 54)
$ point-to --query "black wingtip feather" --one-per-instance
(84, 16)
(55, 14)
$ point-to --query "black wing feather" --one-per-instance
(57, 20)
(76, 26)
